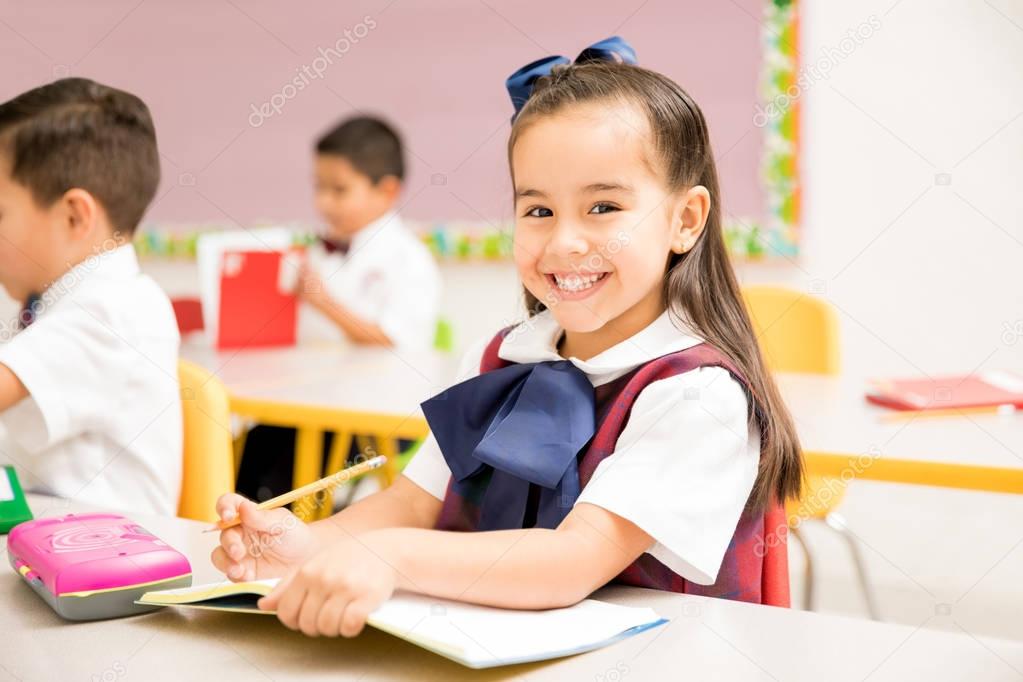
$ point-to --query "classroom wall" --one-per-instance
(912, 168)
(237, 132)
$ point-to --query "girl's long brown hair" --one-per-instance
(699, 286)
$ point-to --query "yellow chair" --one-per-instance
(799, 333)
(208, 451)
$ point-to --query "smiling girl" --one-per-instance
(626, 431)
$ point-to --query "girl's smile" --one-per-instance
(575, 285)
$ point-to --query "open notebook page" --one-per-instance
(476, 636)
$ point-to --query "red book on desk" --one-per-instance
(257, 305)
(985, 389)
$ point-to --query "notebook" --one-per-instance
(210, 250)
(258, 306)
(984, 389)
(475, 636)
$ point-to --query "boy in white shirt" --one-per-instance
(89, 397)
(369, 278)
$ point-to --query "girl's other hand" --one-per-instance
(334, 591)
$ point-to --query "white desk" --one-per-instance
(345, 378)
(365, 391)
(834, 420)
(706, 639)
(833, 415)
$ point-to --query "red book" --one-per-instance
(257, 305)
(985, 389)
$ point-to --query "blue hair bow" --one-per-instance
(512, 427)
(520, 83)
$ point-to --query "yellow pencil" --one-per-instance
(325, 483)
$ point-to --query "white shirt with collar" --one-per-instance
(388, 277)
(102, 423)
(683, 466)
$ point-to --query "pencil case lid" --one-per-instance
(92, 552)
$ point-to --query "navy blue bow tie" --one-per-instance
(521, 424)
(520, 83)
(335, 246)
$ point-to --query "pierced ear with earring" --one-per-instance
(683, 241)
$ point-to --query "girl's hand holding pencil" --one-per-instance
(265, 540)
(265, 544)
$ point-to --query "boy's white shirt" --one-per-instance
(102, 423)
(684, 465)
(388, 278)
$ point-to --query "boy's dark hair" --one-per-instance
(75, 132)
(370, 145)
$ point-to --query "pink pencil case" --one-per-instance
(93, 566)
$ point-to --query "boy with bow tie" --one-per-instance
(368, 278)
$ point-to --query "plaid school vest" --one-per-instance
(755, 566)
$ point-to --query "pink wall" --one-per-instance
(437, 69)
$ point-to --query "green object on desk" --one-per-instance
(444, 337)
(13, 507)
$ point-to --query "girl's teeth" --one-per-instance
(576, 282)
